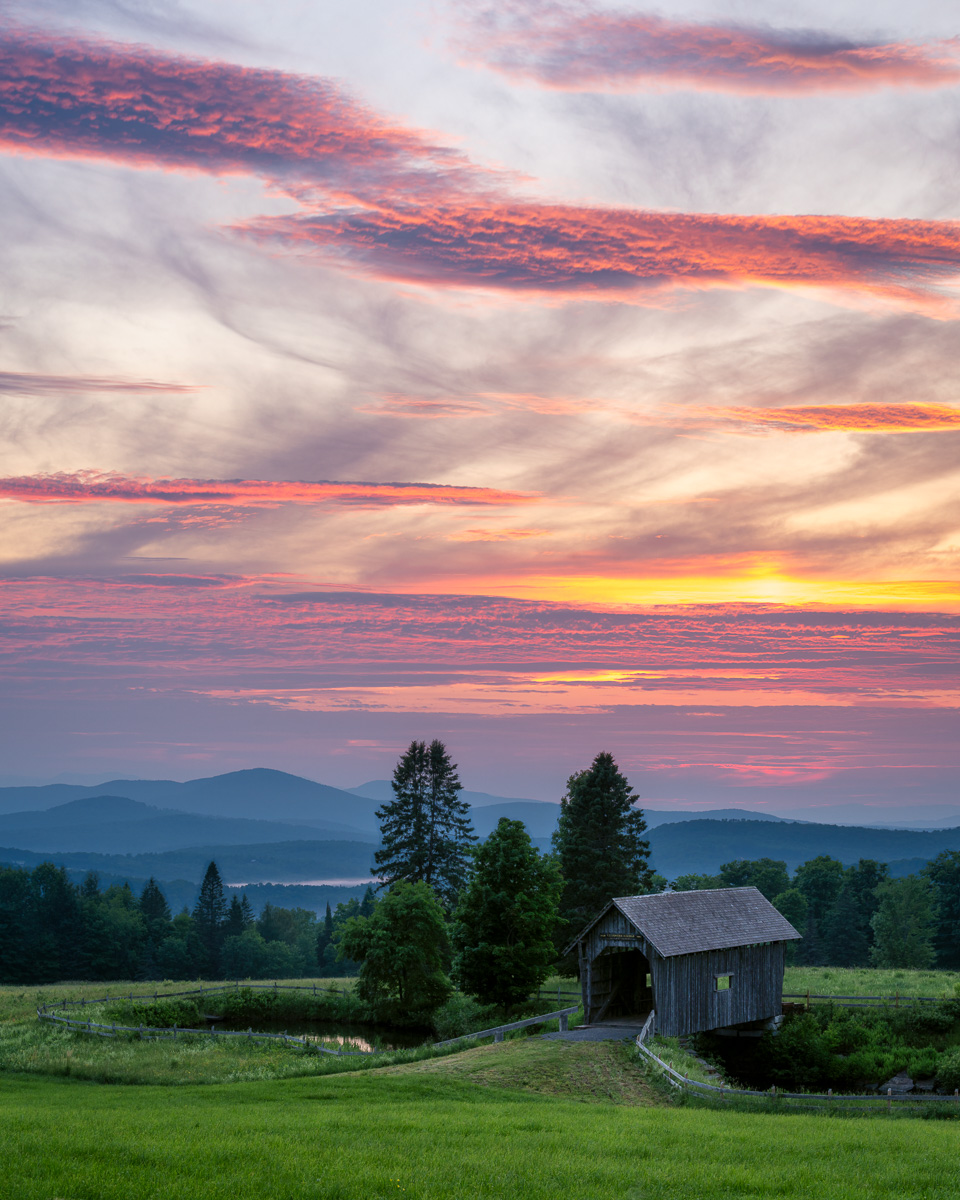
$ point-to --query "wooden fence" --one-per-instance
(712, 1091)
(562, 1014)
(46, 1012)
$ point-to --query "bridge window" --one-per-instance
(724, 982)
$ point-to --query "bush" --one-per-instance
(462, 1014)
(948, 1071)
(160, 1014)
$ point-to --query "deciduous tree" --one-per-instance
(505, 922)
(904, 924)
(402, 949)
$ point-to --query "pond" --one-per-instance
(332, 1033)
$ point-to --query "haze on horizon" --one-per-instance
(545, 378)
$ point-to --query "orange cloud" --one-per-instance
(497, 535)
(94, 487)
(858, 418)
(577, 47)
(551, 248)
(87, 98)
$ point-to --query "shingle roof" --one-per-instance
(688, 922)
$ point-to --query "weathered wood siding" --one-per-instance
(686, 995)
(615, 960)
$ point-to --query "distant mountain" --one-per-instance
(118, 825)
(382, 789)
(702, 846)
(275, 862)
(248, 794)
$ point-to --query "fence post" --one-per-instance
(773, 1091)
(889, 1100)
(564, 1023)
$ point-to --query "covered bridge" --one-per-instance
(700, 960)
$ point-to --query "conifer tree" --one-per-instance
(234, 925)
(325, 936)
(599, 842)
(209, 915)
(153, 903)
(425, 829)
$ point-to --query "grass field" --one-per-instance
(523, 1120)
(867, 981)
(450, 1131)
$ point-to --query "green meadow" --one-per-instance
(528, 1118)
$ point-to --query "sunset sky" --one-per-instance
(544, 377)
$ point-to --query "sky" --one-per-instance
(547, 378)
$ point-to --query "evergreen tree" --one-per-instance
(325, 937)
(153, 903)
(367, 904)
(246, 912)
(234, 924)
(209, 916)
(425, 829)
(506, 919)
(904, 924)
(599, 842)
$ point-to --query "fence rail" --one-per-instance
(830, 1100)
(897, 1001)
(562, 1014)
(46, 1012)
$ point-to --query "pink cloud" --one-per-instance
(517, 246)
(578, 47)
(23, 383)
(94, 487)
(855, 418)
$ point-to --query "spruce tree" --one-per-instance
(325, 937)
(425, 829)
(599, 842)
(209, 915)
(234, 925)
(153, 903)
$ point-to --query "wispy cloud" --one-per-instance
(856, 418)
(576, 46)
(95, 487)
(380, 198)
(23, 383)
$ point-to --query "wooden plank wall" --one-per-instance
(615, 960)
(686, 996)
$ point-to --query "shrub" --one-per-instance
(459, 1015)
(160, 1014)
(948, 1071)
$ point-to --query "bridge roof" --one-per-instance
(691, 922)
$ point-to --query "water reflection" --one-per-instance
(334, 1035)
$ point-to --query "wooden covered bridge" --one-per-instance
(699, 960)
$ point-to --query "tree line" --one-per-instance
(857, 916)
(52, 929)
